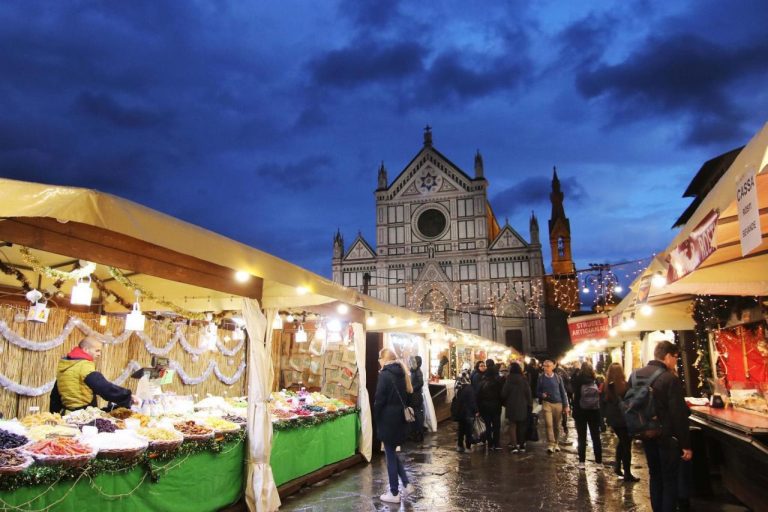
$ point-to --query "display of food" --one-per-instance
(47, 431)
(234, 418)
(193, 431)
(43, 418)
(220, 424)
(159, 434)
(9, 440)
(86, 415)
(61, 450)
(122, 443)
(103, 425)
(12, 461)
(122, 413)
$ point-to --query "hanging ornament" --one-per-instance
(134, 321)
(82, 292)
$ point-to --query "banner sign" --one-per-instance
(643, 290)
(750, 232)
(592, 329)
(691, 252)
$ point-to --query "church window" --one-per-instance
(469, 293)
(396, 275)
(396, 235)
(561, 246)
(466, 207)
(431, 223)
(526, 269)
(467, 272)
(447, 268)
(397, 296)
(498, 289)
(394, 214)
(470, 322)
(466, 228)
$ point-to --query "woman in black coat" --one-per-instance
(518, 402)
(417, 398)
(613, 392)
(586, 413)
(466, 412)
(392, 390)
(489, 403)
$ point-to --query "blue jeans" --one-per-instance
(395, 468)
(663, 456)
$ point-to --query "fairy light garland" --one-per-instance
(123, 280)
(78, 273)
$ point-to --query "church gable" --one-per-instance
(508, 239)
(360, 250)
(432, 273)
(428, 174)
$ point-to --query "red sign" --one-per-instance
(592, 329)
(691, 252)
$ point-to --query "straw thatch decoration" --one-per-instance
(36, 368)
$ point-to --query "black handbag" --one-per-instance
(533, 427)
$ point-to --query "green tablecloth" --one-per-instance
(300, 451)
(198, 482)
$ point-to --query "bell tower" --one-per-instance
(563, 284)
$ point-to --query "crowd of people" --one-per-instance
(523, 392)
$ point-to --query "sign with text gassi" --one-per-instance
(691, 252)
(591, 329)
(750, 231)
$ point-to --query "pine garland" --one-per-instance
(311, 421)
(49, 475)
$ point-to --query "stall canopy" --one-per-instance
(176, 262)
(724, 270)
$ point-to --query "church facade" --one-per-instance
(441, 251)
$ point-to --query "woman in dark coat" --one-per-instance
(613, 393)
(466, 412)
(489, 403)
(392, 389)
(586, 413)
(417, 398)
(517, 399)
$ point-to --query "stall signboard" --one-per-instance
(691, 252)
(750, 232)
(643, 290)
(590, 329)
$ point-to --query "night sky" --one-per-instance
(267, 121)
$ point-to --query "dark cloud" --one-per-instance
(368, 63)
(680, 74)
(370, 14)
(308, 173)
(534, 191)
(103, 106)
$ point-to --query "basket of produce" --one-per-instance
(221, 426)
(101, 424)
(41, 432)
(13, 461)
(85, 416)
(193, 432)
(234, 418)
(43, 418)
(61, 450)
(119, 445)
(11, 441)
(161, 439)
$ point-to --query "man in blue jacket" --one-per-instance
(554, 402)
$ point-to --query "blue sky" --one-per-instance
(267, 121)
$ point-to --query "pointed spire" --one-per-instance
(338, 245)
(555, 180)
(428, 136)
(534, 228)
(479, 172)
(382, 176)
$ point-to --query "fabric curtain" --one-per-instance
(363, 402)
(430, 420)
(260, 490)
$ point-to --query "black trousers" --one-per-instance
(465, 433)
(663, 456)
(492, 428)
(591, 419)
(623, 451)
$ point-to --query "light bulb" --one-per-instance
(392, 320)
(342, 309)
(371, 320)
(585, 290)
(241, 276)
(646, 309)
(658, 280)
(618, 288)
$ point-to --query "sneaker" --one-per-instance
(557, 448)
(581, 465)
(460, 449)
(522, 449)
(631, 479)
(389, 497)
(407, 490)
(550, 450)
(496, 448)
(515, 450)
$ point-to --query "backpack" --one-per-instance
(639, 409)
(590, 397)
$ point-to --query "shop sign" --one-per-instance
(643, 290)
(592, 329)
(691, 252)
(750, 232)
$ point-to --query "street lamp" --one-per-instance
(601, 281)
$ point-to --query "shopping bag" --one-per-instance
(533, 427)
(410, 415)
(478, 430)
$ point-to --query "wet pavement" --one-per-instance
(488, 481)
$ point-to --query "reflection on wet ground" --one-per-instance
(485, 481)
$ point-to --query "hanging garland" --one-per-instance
(14, 272)
(39, 475)
(311, 421)
(123, 280)
(20, 389)
(78, 273)
(213, 367)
